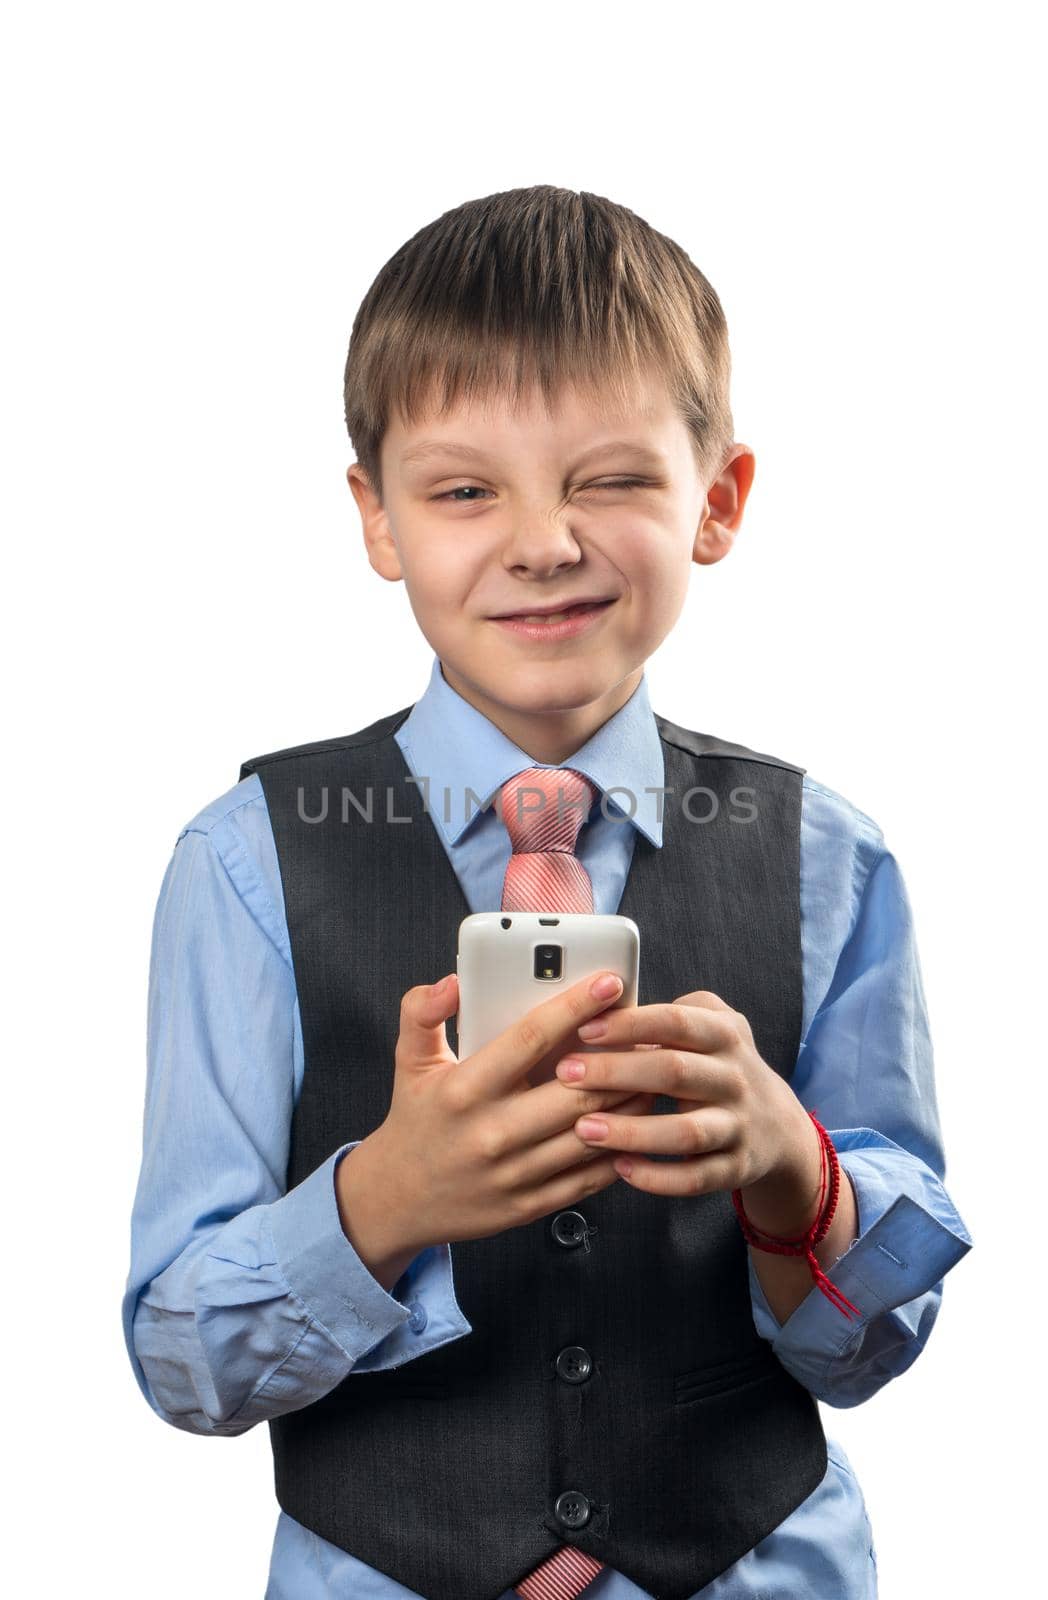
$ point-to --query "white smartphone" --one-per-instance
(508, 962)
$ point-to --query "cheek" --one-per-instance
(440, 569)
(655, 558)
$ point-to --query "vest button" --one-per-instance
(569, 1228)
(418, 1319)
(574, 1364)
(572, 1509)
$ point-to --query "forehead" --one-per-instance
(577, 417)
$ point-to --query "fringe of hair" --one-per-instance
(543, 286)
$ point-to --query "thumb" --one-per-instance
(423, 1013)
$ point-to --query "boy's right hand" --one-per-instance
(469, 1148)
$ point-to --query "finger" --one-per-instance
(423, 1012)
(571, 1186)
(702, 997)
(564, 1149)
(697, 1028)
(700, 1175)
(713, 1002)
(682, 1074)
(547, 1110)
(517, 1049)
(686, 1133)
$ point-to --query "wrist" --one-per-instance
(801, 1237)
(787, 1200)
(369, 1220)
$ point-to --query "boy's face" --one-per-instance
(490, 510)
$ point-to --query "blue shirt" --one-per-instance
(244, 1301)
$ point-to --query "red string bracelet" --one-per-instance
(805, 1244)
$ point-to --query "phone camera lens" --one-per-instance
(548, 962)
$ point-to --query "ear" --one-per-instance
(378, 537)
(724, 504)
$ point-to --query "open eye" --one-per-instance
(462, 488)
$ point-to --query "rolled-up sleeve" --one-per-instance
(910, 1235)
(865, 1068)
(243, 1300)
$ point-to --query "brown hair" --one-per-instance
(538, 284)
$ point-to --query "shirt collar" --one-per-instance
(462, 752)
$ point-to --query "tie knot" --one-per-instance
(543, 808)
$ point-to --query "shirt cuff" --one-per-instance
(375, 1329)
(910, 1235)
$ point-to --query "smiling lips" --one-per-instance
(553, 615)
(556, 624)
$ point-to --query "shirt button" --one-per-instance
(574, 1364)
(572, 1509)
(418, 1318)
(569, 1228)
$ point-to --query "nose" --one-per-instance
(540, 543)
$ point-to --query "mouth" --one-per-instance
(540, 616)
(550, 626)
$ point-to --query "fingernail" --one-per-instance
(571, 1069)
(605, 987)
(590, 1128)
(592, 1030)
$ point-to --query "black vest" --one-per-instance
(613, 1393)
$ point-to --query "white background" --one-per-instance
(196, 199)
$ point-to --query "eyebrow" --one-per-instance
(434, 447)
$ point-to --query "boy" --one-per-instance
(500, 1354)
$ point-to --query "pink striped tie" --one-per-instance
(543, 809)
(562, 1577)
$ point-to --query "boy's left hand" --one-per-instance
(740, 1125)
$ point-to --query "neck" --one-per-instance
(549, 737)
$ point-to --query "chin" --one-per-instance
(561, 686)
